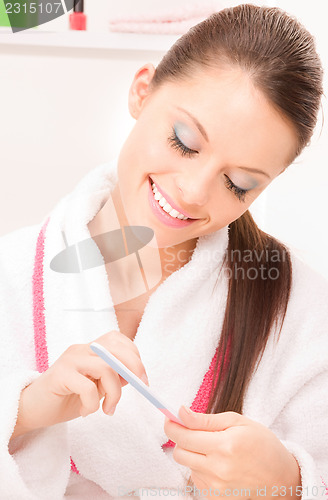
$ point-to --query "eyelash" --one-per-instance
(175, 143)
(179, 146)
(239, 192)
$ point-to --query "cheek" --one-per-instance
(158, 151)
(226, 211)
(238, 209)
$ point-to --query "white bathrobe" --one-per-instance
(177, 339)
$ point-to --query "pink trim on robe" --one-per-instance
(41, 351)
(39, 323)
(202, 398)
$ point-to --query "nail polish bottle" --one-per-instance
(78, 20)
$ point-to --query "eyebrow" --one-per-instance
(256, 170)
(204, 134)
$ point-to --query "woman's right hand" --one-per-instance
(76, 382)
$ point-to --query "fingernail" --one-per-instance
(187, 410)
(111, 410)
(144, 378)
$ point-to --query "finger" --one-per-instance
(114, 336)
(94, 367)
(87, 391)
(107, 381)
(195, 441)
(113, 391)
(189, 459)
(128, 357)
(212, 422)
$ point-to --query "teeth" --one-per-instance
(174, 213)
(167, 208)
(165, 205)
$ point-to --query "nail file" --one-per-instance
(138, 384)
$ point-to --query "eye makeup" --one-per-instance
(177, 144)
(186, 135)
(239, 192)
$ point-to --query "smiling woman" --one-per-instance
(258, 96)
(222, 316)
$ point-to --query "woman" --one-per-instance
(221, 316)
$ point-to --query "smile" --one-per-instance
(164, 210)
(165, 205)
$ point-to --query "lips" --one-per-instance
(162, 215)
(171, 202)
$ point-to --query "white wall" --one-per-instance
(64, 111)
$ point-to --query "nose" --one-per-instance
(196, 187)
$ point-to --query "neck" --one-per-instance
(172, 257)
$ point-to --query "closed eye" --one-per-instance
(239, 192)
(176, 144)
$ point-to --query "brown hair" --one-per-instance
(280, 57)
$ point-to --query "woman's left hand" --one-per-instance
(228, 451)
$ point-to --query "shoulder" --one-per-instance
(304, 335)
(296, 355)
(309, 290)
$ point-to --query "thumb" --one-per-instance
(212, 421)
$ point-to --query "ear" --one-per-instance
(139, 91)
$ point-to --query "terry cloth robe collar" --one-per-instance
(177, 339)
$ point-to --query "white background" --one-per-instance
(64, 111)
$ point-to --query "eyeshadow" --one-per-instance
(185, 134)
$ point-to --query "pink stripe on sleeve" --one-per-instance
(39, 323)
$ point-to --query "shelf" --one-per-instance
(87, 40)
